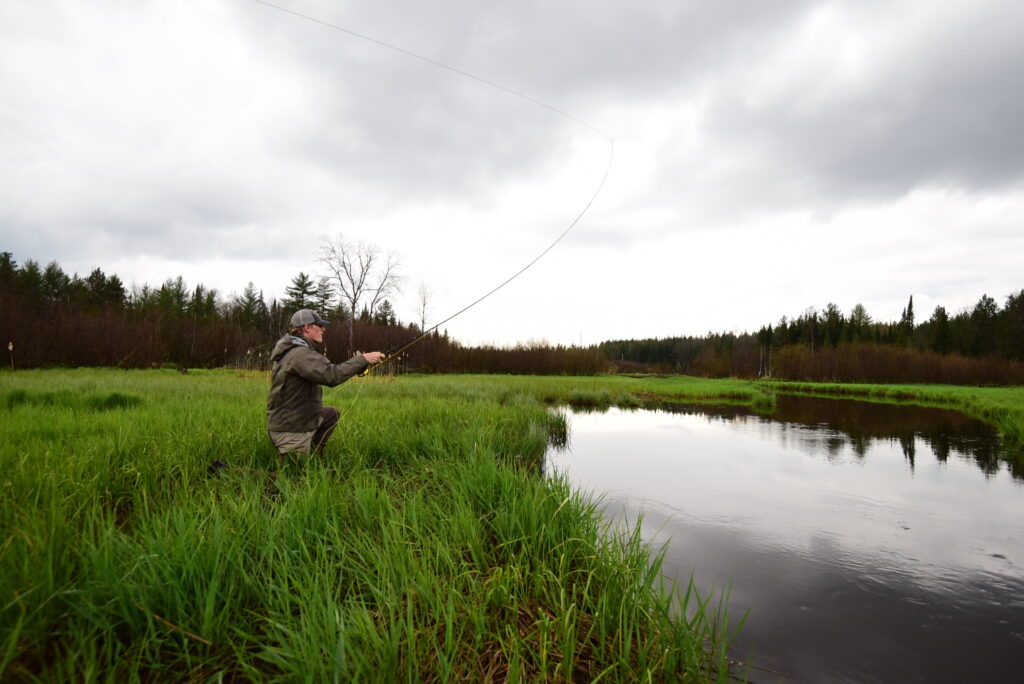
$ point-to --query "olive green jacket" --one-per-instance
(297, 372)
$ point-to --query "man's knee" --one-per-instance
(329, 416)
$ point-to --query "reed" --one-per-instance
(424, 545)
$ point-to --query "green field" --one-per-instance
(423, 546)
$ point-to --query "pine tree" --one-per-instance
(301, 293)
(173, 296)
(250, 305)
(96, 284)
(941, 341)
(834, 324)
(30, 279)
(203, 303)
(385, 314)
(323, 300)
(55, 281)
(860, 322)
(8, 268)
(983, 326)
(906, 326)
(114, 291)
(1011, 327)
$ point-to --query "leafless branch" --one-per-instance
(360, 272)
(423, 297)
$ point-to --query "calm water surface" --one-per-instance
(868, 542)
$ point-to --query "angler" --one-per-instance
(297, 420)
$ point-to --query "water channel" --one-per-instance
(865, 542)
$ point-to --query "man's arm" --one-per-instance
(315, 367)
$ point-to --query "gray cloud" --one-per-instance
(386, 118)
(940, 109)
(197, 131)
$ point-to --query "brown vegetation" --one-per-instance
(94, 321)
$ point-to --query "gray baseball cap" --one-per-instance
(306, 317)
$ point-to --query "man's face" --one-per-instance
(313, 332)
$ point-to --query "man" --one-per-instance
(297, 420)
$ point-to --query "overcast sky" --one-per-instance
(768, 156)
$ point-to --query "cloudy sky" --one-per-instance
(767, 157)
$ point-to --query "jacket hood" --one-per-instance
(286, 344)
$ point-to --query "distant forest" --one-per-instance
(980, 345)
(50, 318)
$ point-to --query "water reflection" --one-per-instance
(829, 427)
(869, 544)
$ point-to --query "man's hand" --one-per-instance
(374, 357)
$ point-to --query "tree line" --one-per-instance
(983, 344)
(48, 317)
(51, 318)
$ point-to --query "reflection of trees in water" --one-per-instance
(860, 445)
(907, 445)
(840, 424)
(941, 447)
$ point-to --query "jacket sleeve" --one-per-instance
(315, 367)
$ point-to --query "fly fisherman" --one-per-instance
(297, 420)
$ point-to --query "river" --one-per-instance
(864, 542)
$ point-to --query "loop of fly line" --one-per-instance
(395, 351)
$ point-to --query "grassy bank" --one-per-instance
(422, 547)
(1002, 407)
(602, 390)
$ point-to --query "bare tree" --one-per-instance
(361, 272)
(423, 297)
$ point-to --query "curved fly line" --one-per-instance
(611, 150)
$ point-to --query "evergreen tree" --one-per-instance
(324, 298)
(30, 279)
(250, 306)
(941, 341)
(279, 317)
(203, 303)
(983, 326)
(385, 314)
(8, 269)
(835, 322)
(809, 324)
(144, 298)
(77, 289)
(1011, 327)
(262, 311)
(339, 312)
(114, 291)
(301, 293)
(783, 333)
(906, 325)
(172, 297)
(860, 324)
(95, 285)
(56, 282)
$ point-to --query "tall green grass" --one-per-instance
(423, 546)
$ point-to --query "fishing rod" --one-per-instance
(393, 352)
